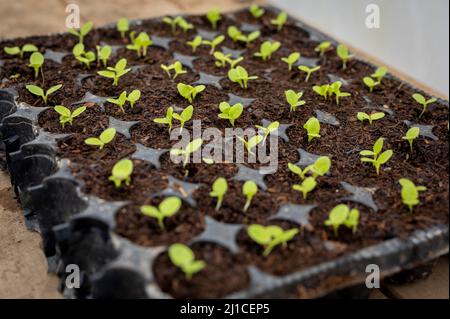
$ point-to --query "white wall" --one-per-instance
(413, 36)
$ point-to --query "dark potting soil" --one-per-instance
(225, 273)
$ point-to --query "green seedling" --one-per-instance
(121, 173)
(186, 152)
(335, 88)
(219, 189)
(82, 32)
(297, 170)
(195, 43)
(213, 17)
(379, 73)
(412, 134)
(184, 116)
(177, 67)
(419, 98)
(183, 257)
(115, 72)
(322, 90)
(256, 11)
(214, 43)
(341, 215)
(140, 44)
(66, 116)
(308, 71)
(267, 49)
(410, 193)
(377, 159)
(167, 208)
(280, 21)
(312, 126)
(231, 113)
(272, 127)
(240, 75)
(184, 25)
(167, 119)
(270, 236)
(123, 26)
(249, 38)
(106, 137)
(103, 54)
(370, 83)
(36, 62)
(173, 22)
(294, 99)
(120, 101)
(27, 48)
(133, 97)
(361, 116)
(344, 55)
(306, 187)
(234, 33)
(251, 143)
(221, 60)
(291, 59)
(320, 167)
(81, 55)
(323, 47)
(249, 189)
(190, 92)
(36, 90)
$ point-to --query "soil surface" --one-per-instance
(427, 165)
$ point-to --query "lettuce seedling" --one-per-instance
(121, 173)
(361, 116)
(190, 92)
(84, 57)
(133, 97)
(166, 120)
(272, 127)
(410, 193)
(256, 11)
(251, 143)
(231, 113)
(195, 43)
(270, 236)
(36, 62)
(234, 33)
(240, 75)
(173, 22)
(378, 159)
(213, 17)
(291, 59)
(323, 47)
(66, 116)
(370, 83)
(306, 187)
(297, 170)
(177, 67)
(344, 55)
(341, 215)
(123, 26)
(379, 73)
(120, 101)
(82, 33)
(312, 126)
(411, 135)
(335, 88)
(103, 54)
(183, 257)
(116, 72)
(222, 60)
(27, 48)
(322, 90)
(308, 71)
(192, 147)
(214, 43)
(249, 189)
(167, 208)
(141, 44)
(320, 167)
(280, 21)
(36, 90)
(106, 137)
(419, 98)
(247, 39)
(219, 189)
(294, 99)
(184, 116)
(184, 25)
(267, 49)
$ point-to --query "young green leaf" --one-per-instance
(251, 143)
(234, 33)
(294, 99)
(419, 98)
(323, 47)
(410, 193)
(256, 11)
(36, 90)
(280, 21)
(377, 159)
(361, 116)
(249, 189)
(26, 48)
(213, 17)
(184, 116)
(231, 113)
(221, 59)
(270, 236)
(81, 55)
(103, 54)
(379, 73)
(247, 39)
(272, 127)
(166, 120)
(36, 62)
(322, 90)
(133, 97)
(66, 116)
(120, 101)
(186, 152)
(214, 43)
(370, 83)
(189, 92)
(341, 215)
(240, 75)
(115, 72)
(267, 49)
(344, 55)
(335, 88)
(123, 26)
(308, 71)
(219, 189)
(177, 67)
(297, 170)
(121, 173)
(183, 257)
(82, 32)
(291, 59)
(412, 134)
(106, 137)
(306, 187)
(184, 25)
(312, 126)
(320, 167)
(195, 43)
(141, 44)
(167, 208)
